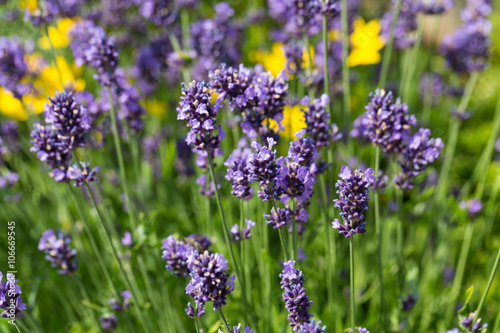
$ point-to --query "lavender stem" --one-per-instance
(378, 231)
(353, 296)
(345, 67)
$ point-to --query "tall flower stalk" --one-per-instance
(345, 67)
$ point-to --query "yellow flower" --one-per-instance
(11, 106)
(156, 108)
(366, 43)
(293, 121)
(31, 5)
(59, 35)
(275, 60)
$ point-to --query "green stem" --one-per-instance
(226, 231)
(353, 295)
(196, 318)
(121, 165)
(345, 68)
(400, 241)
(326, 77)
(283, 245)
(294, 250)
(226, 325)
(488, 286)
(413, 62)
(185, 29)
(328, 258)
(378, 229)
(388, 49)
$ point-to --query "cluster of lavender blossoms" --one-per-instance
(421, 151)
(210, 279)
(176, 254)
(294, 294)
(246, 234)
(54, 143)
(312, 327)
(473, 207)
(469, 325)
(257, 95)
(238, 174)
(10, 297)
(56, 246)
(109, 322)
(13, 67)
(467, 49)
(353, 200)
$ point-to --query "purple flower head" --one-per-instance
(117, 306)
(467, 49)
(294, 294)
(300, 17)
(408, 302)
(200, 242)
(234, 84)
(207, 189)
(406, 27)
(238, 174)
(190, 310)
(109, 323)
(176, 254)
(297, 181)
(432, 83)
(293, 53)
(388, 122)
(183, 158)
(210, 279)
(362, 330)
(263, 167)
(421, 151)
(432, 7)
(82, 174)
(448, 275)
(468, 324)
(9, 133)
(473, 207)
(381, 182)
(160, 12)
(129, 100)
(317, 120)
(312, 327)
(353, 200)
(237, 329)
(127, 239)
(476, 9)
(91, 46)
(10, 297)
(237, 235)
(55, 244)
(9, 179)
(278, 219)
(303, 150)
(13, 68)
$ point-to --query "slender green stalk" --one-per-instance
(497, 322)
(388, 49)
(353, 295)
(226, 232)
(378, 229)
(115, 253)
(400, 241)
(345, 68)
(226, 325)
(327, 230)
(413, 62)
(326, 77)
(196, 318)
(488, 286)
(185, 29)
(294, 249)
(283, 245)
(121, 165)
(457, 282)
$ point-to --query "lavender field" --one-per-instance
(260, 166)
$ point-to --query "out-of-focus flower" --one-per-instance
(366, 43)
(160, 12)
(11, 106)
(432, 7)
(274, 61)
(238, 174)
(408, 302)
(58, 35)
(190, 310)
(117, 306)
(238, 235)
(13, 67)
(58, 252)
(210, 279)
(469, 325)
(294, 294)
(312, 327)
(237, 329)
(362, 330)
(278, 218)
(317, 120)
(176, 254)
(353, 200)
(109, 323)
(473, 207)
(127, 239)
(476, 9)
(405, 30)
(207, 188)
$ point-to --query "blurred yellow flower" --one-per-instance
(293, 121)
(275, 60)
(58, 35)
(11, 106)
(366, 43)
(155, 108)
(334, 34)
(31, 5)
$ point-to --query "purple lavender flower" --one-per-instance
(278, 219)
(296, 300)
(380, 182)
(405, 30)
(210, 279)
(362, 330)
(408, 302)
(127, 239)
(317, 120)
(432, 7)
(448, 275)
(109, 323)
(312, 327)
(200, 242)
(300, 17)
(297, 181)
(476, 9)
(68, 118)
(160, 12)
(128, 99)
(91, 46)
(473, 207)
(176, 254)
(56, 246)
(303, 150)
(432, 83)
(207, 188)
(353, 200)
(234, 84)
(421, 151)
(13, 68)
(293, 53)
(82, 174)
(184, 158)
(238, 174)
(9, 179)
(45, 13)
(388, 122)
(237, 235)
(117, 306)
(264, 167)
(9, 134)
(467, 49)
(190, 310)
(237, 329)
(469, 325)
(10, 297)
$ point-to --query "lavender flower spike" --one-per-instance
(10, 297)
(312, 327)
(296, 300)
(469, 325)
(210, 279)
(176, 254)
(238, 236)
(237, 329)
(353, 200)
(59, 253)
(190, 310)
